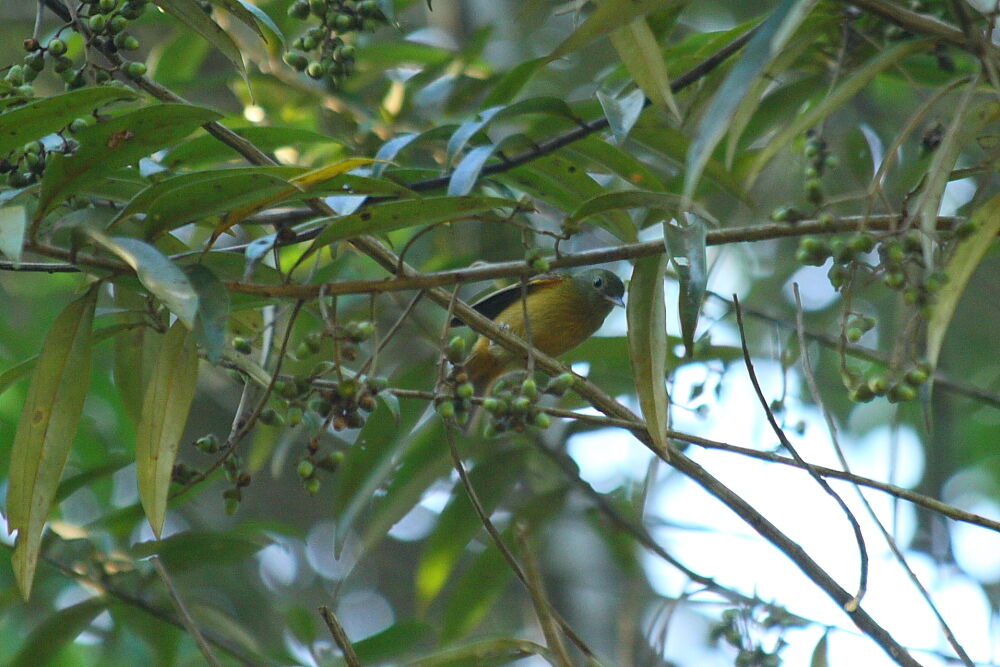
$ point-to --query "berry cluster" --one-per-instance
(457, 406)
(513, 405)
(326, 52)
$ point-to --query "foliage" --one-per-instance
(233, 237)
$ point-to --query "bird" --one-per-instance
(563, 310)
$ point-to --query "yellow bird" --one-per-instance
(563, 311)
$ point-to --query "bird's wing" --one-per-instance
(495, 303)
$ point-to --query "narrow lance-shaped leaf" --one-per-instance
(164, 413)
(297, 185)
(686, 248)
(213, 310)
(190, 13)
(609, 16)
(640, 53)
(115, 143)
(959, 270)
(647, 340)
(159, 275)
(131, 367)
(758, 53)
(40, 117)
(965, 124)
(46, 429)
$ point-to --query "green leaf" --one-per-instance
(213, 310)
(116, 143)
(42, 117)
(46, 429)
(132, 354)
(196, 549)
(20, 370)
(511, 83)
(174, 202)
(459, 522)
(159, 275)
(686, 248)
(647, 340)
(564, 184)
(249, 15)
(761, 50)
(164, 413)
(640, 53)
(190, 13)
(616, 161)
(964, 126)
(849, 87)
(58, 630)
(387, 217)
(608, 17)
(476, 591)
(396, 641)
(367, 465)
(820, 655)
(463, 179)
(960, 267)
(622, 113)
(13, 220)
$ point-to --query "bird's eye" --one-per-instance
(598, 283)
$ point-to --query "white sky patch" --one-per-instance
(607, 458)
(814, 287)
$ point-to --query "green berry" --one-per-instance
(491, 405)
(878, 385)
(296, 60)
(854, 334)
(560, 384)
(343, 22)
(894, 279)
(312, 485)
(521, 404)
(97, 22)
(541, 264)
(916, 377)
(542, 420)
(232, 506)
(117, 24)
(35, 61)
(315, 70)
(207, 443)
(240, 344)
(862, 242)
(107, 6)
(529, 388)
(455, 352)
(465, 390)
(135, 70)
(306, 469)
(299, 10)
(861, 394)
(57, 47)
(814, 190)
(446, 409)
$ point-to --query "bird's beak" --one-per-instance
(616, 300)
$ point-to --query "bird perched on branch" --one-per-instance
(563, 311)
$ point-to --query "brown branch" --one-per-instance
(520, 268)
(920, 24)
(340, 636)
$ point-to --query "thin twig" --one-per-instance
(185, 617)
(536, 587)
(502, 546)
(340, 636)
(832, 428)
(852, 604)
